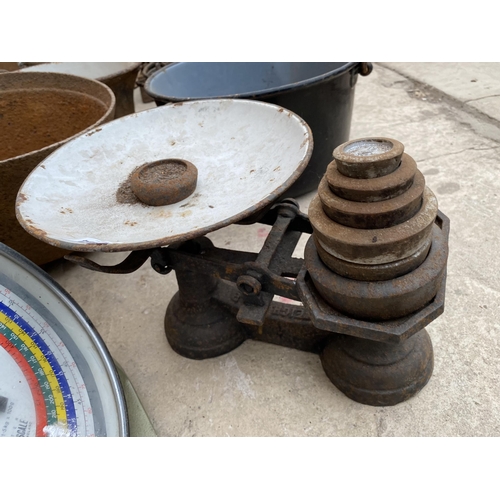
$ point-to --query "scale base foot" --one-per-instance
(202, 331)
(376, 373)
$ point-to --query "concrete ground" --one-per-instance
(448, 118)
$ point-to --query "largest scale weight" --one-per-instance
(247, 154)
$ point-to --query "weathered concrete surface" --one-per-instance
(264, 390)
(475, 85)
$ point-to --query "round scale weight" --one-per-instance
(246, 153)
(56, 375)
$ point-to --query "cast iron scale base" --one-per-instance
(226, 297)
(368, 331)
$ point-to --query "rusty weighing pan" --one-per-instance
(38, 113)
(118, 76)
(246, 154)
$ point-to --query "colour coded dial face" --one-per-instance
(56, 377)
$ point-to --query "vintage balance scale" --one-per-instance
(155, 183)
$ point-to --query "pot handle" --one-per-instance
(365, 68)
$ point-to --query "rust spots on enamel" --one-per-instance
(36, 232)
(21, 198)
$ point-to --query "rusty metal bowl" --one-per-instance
(118, 76)
(8, 66)
(38, 113)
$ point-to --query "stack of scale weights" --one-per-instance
(376, 253)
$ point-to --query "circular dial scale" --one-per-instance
(56, 377)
